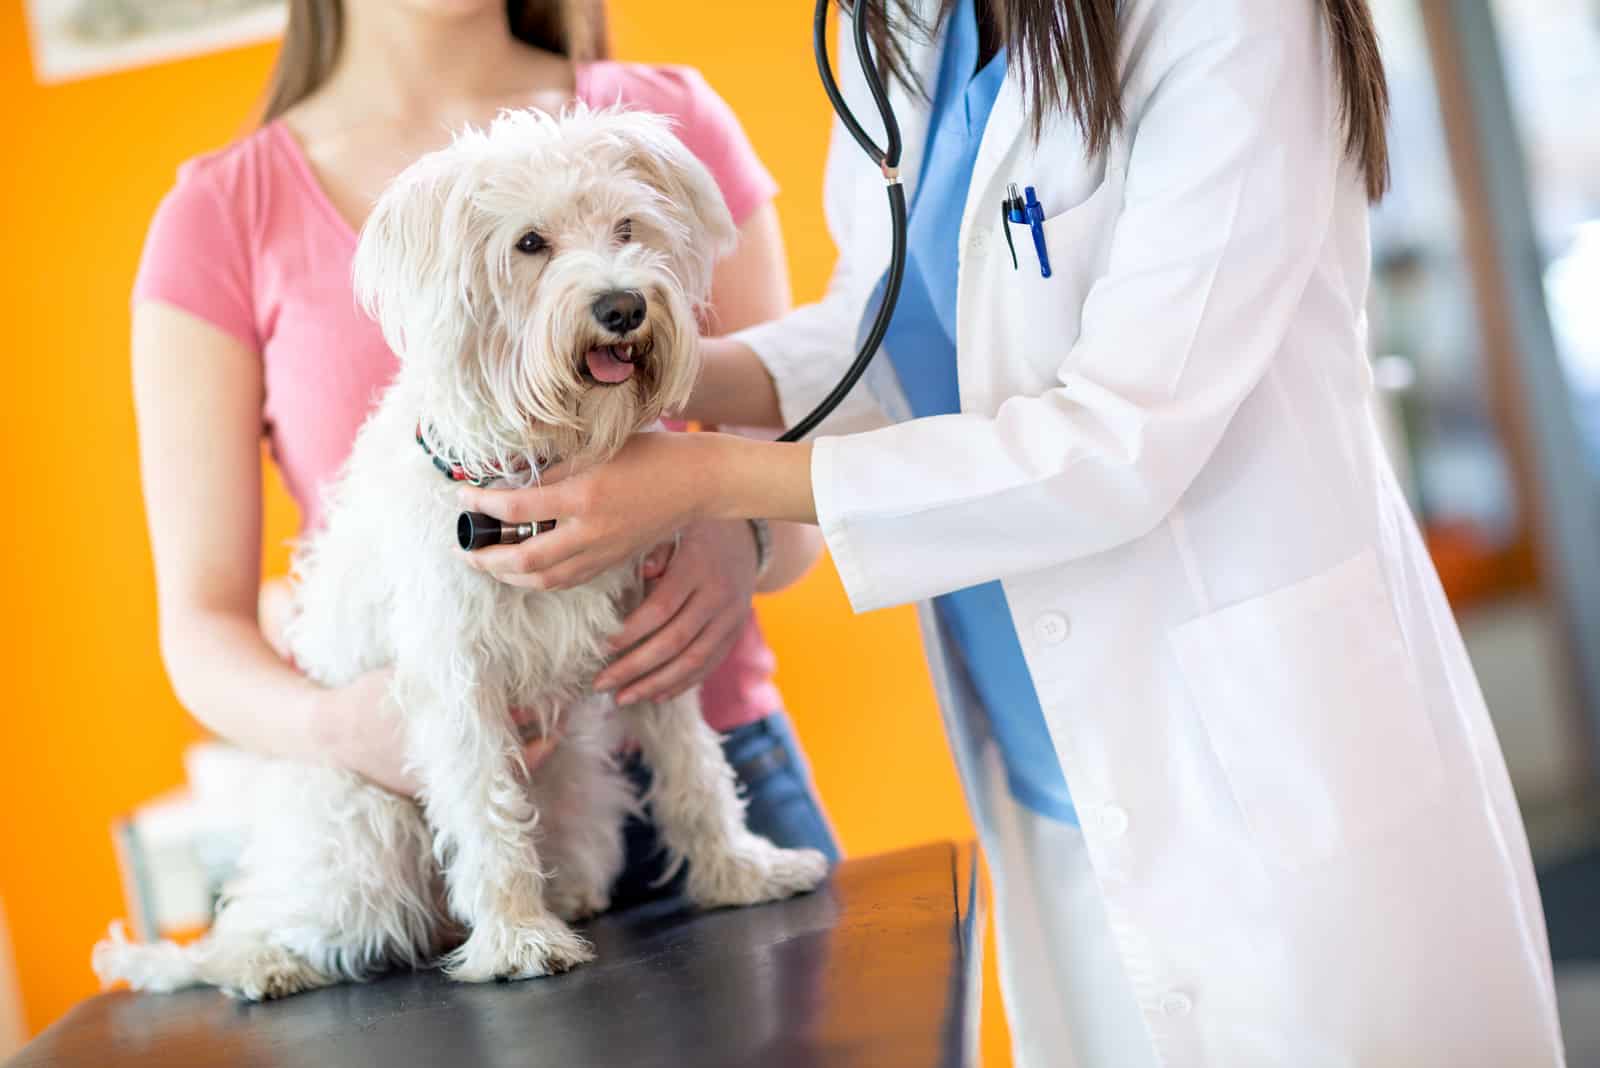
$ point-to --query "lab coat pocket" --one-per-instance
(1043, 316)
(1077, 241)
(1314, 709)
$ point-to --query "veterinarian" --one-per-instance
(1239, 793)
(245, 325)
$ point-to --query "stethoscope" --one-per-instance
(474, 530)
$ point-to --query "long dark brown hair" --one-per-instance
(1065, 53)
(573, 28)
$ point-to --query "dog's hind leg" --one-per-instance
(695, 800)
(244, 964)
(337, 883)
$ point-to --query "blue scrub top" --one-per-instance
(921, 346)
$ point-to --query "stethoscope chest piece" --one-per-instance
(474, 530)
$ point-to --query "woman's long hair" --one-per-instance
(573, 28)
(1065, 52)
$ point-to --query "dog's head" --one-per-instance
(539, 280)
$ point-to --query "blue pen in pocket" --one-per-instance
(1024, 208)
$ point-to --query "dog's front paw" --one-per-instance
(752, 872)
(503, 950)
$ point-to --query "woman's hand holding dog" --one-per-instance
(358, 727)
(698, 604)
(361, 731)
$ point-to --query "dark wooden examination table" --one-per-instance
(877, 968)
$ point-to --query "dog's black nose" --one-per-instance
(619, 310)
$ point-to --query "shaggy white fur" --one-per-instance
(483, 263)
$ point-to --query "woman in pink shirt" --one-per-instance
(244, 325)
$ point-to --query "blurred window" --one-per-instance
(1551, 52)
(1426, 338)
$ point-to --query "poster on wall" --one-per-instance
(80, 38)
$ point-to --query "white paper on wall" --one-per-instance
(80, 38)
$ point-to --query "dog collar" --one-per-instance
(456, 473)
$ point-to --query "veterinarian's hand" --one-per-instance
(656, 485)
(690, 619)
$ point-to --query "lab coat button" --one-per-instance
(1113, 821)
(1052, 628)
(977, 244)
(1176, 1004)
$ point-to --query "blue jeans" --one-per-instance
(779, 805)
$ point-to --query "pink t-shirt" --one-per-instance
(248, 241)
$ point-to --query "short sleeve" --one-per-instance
(196, 258)
(713, 133)
(703, 122)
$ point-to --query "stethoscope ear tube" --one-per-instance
(888, 159)
(889, 156)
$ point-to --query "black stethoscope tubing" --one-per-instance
(888, 161)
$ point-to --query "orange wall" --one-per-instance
(90, 726)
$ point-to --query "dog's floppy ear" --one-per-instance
(407, 271)
(689, 191)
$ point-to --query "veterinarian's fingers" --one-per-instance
(556, 472)
(577, 569)
(521, 582)
(533, 504)
(653, 613)
(662, 647)
(539, 553)
(678, 675)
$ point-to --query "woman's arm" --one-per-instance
(751, 284)
(774, 370)
(198, 394)
(734, 388)
(749, 287)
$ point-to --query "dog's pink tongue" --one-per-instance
(607, 367)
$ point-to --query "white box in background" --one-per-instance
(176, 850)
(11, 1028)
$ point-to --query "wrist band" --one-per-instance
(763, 536)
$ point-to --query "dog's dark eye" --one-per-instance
(531, 242)
(625, 231)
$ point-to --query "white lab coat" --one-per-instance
(1293, 799)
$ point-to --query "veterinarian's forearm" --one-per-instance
(227, 676)
(748, 479)
(734, 388)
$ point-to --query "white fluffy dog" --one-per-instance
(539, 281)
